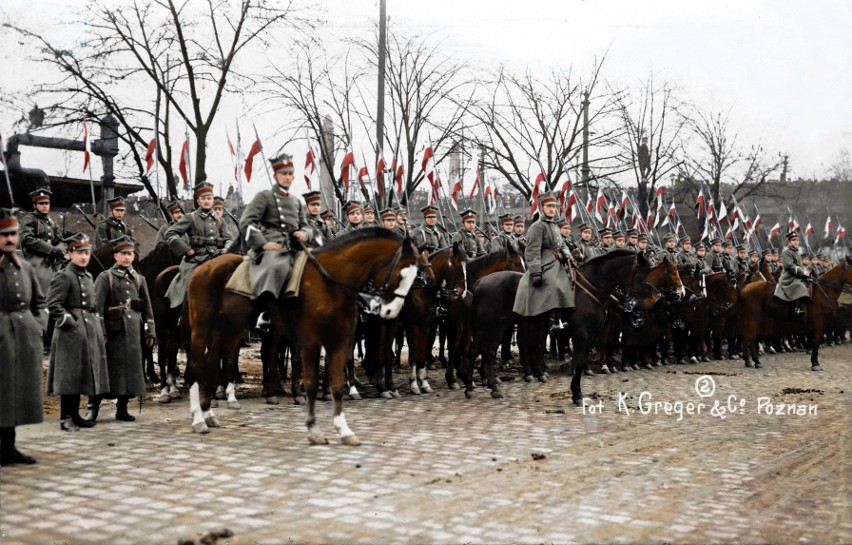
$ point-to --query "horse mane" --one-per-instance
(612, 254)
(478, 263)
(358, 235)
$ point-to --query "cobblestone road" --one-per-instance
(442, 469)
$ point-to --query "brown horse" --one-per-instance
(324, 314)
(765, 315)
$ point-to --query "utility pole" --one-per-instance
(584, 170)
(380, 107)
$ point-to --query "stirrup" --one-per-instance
(263, 323)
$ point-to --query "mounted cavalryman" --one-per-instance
(791, 286)
(605, 236)
(388, 217)
(370, 216)
(122, 300)
(402, 226)
(632, 240)
(112, 227)
(715, 259)
(208, 238)
(586, 245)
(518, 228)
(565, 232)
(618, 241)
(176, 212)
(504, 238)
(729, 258)
(321, 233)
(669, 249)
(330, 222)
(41, 239)
(219, 211)
(354, 216)
(22, 320)
(428, 235)
(686, 260)
(466, 236)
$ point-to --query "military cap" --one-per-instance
(77, 242)
(585, 227)
(388, 214)
(727, 243)
(400, 210)
(753, 252)
(118, 203)
(369, 208)
(774, 251)
(684, 240)
(740, 248)
(632, 232)
(791, 235)
(519, 219)
(325, 214)
(123, 244)
(715, 240)
(563, 222)
(218, 202)
(312, 197)
(506, 218)
(174, 206)
(700, 246)
(352, 206)
(429, 211)
(604, 232)
(8, 222)
(203, 189)
(548, 197)
(668, 236)
(41, 195)
(283, 163)
(468, 214)
(641, 236)
(767, 251)
(618, 235)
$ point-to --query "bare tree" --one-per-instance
(841, 168)
(716, 153)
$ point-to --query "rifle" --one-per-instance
(146, 220)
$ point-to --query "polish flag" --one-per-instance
(827, 226)
(310, 166)
(428, 165)
(87, 146)
(623, 205)
(149, 154)
(348, 161)
(399, 176)
(757, 219)
(699, 203)
(247, 167)
(840, 233)
(534, 198)
(809, 230)
(184, 160)
(454, 194)
(774, 231)
(475, 187)
(380, 175)
(571, 207)
(600, 202)
(723, 211)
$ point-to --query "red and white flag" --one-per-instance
(310, 166)
(348, 162)
(399, 176)
(723, 212)
(774, 231)
(535, 191)
(699, 203)
(600, 202)
(428, 165)
(572, 206)
(87, 146)
(623, 204)
(149, 154)
(840, 233)
(381, 165)
(184, 161)
(809, 230)
(827, 226)
(233, 153)
(475, 188)
(456, 191)
(758, 221)
(566, 187)
(247, 167)
(669, 219)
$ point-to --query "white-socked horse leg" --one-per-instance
(198, 423)
(231, 390)
(353, 392)
(211, 420)
(347, 436)
(412, 379)
(426, 388)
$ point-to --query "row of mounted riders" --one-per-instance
(623, 301)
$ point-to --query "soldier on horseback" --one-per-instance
(466, 236)
(632, 240)
(388, 217)
(176, 212)
(369, 216)
(504, 238)
(518, 228)
(618, 240)
(567, 237)
(313, 203)
(791, 286)
(605, 236)
(715, 259)
(112, 227)
(330, 221)
(354, 216)
(41, 239)
(207, 238)
(428, 235)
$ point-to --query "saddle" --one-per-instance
(240, 281)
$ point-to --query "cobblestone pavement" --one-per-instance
(438, 468)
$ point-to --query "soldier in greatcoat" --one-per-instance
(268, 222)
(428, 235)
(208, 238)
(77, 357)
(518, 228)
(605, 237)
(176, 212)
(466, 236)
(41, 239)
(227, 226)
(22, 320)
(791, 285)
(715, 259)
(122, 300)
(586, 246)
(565, 232)
(370, 216)
(330, 221)
(320, 233)
(632, 240)
(504, 238)
(546, 284)
(619, 241)
(112, 227)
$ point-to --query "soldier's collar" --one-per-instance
(283, 192)
(79, 271)
(114, 220)
(120, 271)
(202, 213)
(38, 214)
(12, 258)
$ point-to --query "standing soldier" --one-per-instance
(176, 212)
(22, 320)
(791, 286)
(518, 227)
(268, 222)
(121, 296)
(330, 222)
(313, 202)
(466, 236)
(207, 239)
(77, 357)
(429, 235)
(504, 238)
(112, 227)
(354, 216)
(41, 240)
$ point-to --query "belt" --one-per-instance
(17, 307)
(84, 309)
(285, 230)
(135, 304)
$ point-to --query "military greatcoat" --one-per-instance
(161, 235)
(320, 232)
(271, 216)
(501, 242)
(22, 320)
(201, 231)
(470, 242)
(39, 237)
(588, 249)
(715, 261)
(544, 244)
(124, 291)
(430, 237)
(110, 229)
(77, 356)
(791, 286)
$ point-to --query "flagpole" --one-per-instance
(239, 167)
(263, 156)
(6, 173)
(89, 166)
(157, 165)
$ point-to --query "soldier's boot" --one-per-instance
(121, 413)
(74, 413)
(263, 323)
(8, 453)
(66, 409)
(798, 307)
(93, 408)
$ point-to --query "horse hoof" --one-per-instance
(234, 405)
(454, 386)
(427, 389)
(816, 367)
(395, 394)
(614, 369)
(693, 359)
(748, 363)
(214, 403)
(355, 396)
(350, 440)
(758, 365)
(469, 394)
(174, 393)
(542, 378)
(220, 393)
(212, 422)
(327, 397)
(298, 400)
(499, 382)
(317, 439)
(578, 402)
(415, 390)
(528, 378)
(636, 367)
(385, 395)
(496, 394)
(164, 399)
(271, 400)
(200, 427)
(589, 373)
(605, 369)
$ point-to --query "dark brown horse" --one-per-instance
(324, 315)
(766, 316)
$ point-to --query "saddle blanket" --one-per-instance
(240, 281)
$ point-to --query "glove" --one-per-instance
(566, 254)
(149, 342)
(57, 253)
(536, 280)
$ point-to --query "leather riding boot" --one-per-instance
(66, 410)
(8, 453)
(93, 408)
(121, 413)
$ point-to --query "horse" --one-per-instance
(764, 314)
(323, 315)
(596, 279)
(715, 294)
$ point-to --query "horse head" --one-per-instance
(665, 277)
(514, 258)
(406, 263)
(721, 293)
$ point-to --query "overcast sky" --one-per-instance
(782, 69)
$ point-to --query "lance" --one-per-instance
(86, 217)
(442, 191)
(146, 220)
(6, 172)
(88, 150)
(263, 156)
